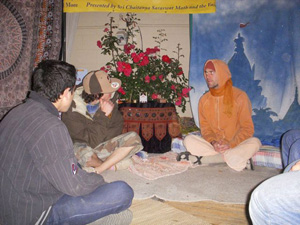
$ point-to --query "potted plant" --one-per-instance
(149, 71)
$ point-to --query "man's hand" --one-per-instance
(221, 146)
(106, 106)
(296, 167)
(94, 161)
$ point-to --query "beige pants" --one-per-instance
(236, 158)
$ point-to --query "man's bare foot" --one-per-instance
(94, 161)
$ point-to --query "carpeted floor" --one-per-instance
(215, 182)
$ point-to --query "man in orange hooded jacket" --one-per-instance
(225, 120)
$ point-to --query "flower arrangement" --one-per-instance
(161, 77)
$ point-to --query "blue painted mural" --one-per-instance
(260, 41)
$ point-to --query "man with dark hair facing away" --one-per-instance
(40, 180)
(225, 121)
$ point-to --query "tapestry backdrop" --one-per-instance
(30, 32)
(259, 39)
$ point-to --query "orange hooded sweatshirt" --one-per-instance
(216, 122)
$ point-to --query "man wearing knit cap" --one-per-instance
(225, 122)
(95, 125)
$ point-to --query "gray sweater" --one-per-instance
(37, 162)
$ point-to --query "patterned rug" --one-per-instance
(158, 165)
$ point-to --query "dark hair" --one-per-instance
(51, 77)
(87, 98)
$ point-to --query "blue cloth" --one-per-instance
(271, 83)
(290, 147)
(92, 109)
(107, 199)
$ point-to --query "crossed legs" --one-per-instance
(110, 198)
(236, 158)
(116, 152)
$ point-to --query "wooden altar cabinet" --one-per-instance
(156, 123)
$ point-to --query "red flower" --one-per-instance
(185, 91)
(120, 66)
(135, 58)
(147, 79)
(128, 47)
(173, 87)
(145, 61)
(125, 68)
(161, 77)
(141, 54)
(150, 51)
(121, 90)
(103, 69)
(153, 78)
(156, 49)
(154, 96)
(178, 101)
(166, 59)
(180, 71)
(106, 29)
(99, 44)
